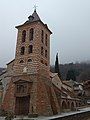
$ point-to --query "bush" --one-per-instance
(2, 112)
(9, 116)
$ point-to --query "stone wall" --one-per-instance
(38, 61)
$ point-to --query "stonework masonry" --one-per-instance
(30, 83)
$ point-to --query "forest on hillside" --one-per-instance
(80, 70)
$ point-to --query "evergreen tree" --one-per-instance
(57, 66)
(71, 75)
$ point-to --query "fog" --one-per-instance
(69, 20)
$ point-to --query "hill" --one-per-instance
(82, 70)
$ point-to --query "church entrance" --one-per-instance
(22, 105)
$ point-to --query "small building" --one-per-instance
(86, 85)
(1, 94)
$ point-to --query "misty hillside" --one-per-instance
(1, 69)
(82, 70)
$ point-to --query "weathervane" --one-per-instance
(35, 7)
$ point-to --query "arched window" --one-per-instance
(72, 106)
(46, 53)
(64, 105)
(22, 50)
(30, 49)
(41, 50)
(31, 34)
(23, 36)
(29, 60)
(76, 104)
(42, 62)
(42, 36)
(68, 105)
(21, 61)
(46, 64)
(21, 88)
(46, 39)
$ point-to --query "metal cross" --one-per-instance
(35, 7)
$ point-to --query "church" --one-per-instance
(29, 88)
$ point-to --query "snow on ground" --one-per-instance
(52, 117)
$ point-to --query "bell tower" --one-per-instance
(33, 46)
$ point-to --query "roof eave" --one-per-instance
(10, 62)
(32, 23)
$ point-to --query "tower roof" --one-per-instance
(34, 18)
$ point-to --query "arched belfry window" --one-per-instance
(46, 39)
(42, 52)
(23, 36)
(31, 34)
(46, 53)
(22, 50)
(30, 49)
(21, 61)
(42, 36)
(29, 60)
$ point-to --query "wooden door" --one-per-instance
(22, 105)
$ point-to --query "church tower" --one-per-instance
(33, 46)
(30, 89)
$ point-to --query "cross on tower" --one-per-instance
(35, 7)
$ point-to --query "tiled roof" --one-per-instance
(34, 18)
(53, 74)
(87, 82)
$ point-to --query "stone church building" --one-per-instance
(28, 85)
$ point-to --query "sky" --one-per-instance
(69, 20)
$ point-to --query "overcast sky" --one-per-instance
(69, 20)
